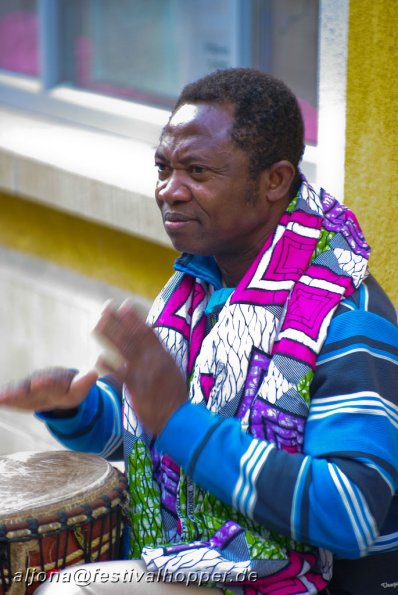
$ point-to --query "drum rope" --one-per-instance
(5, 556)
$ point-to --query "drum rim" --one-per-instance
(113, 488)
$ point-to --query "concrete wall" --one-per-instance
(97, 251)
(56, 271)
(46, 316)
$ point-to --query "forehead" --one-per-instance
(198, 124)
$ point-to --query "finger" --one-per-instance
(111, 358)
(80, 386)
(129, 305)
(105, 332)
(14, 392)
(52, 381)
(20, 397)
(122, 330)
(44, 389)
(109, 324)
(134, 332)
(109, 319)
(103, 367)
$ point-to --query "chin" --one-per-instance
(185, 244)
(181, 246)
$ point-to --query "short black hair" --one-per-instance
(268, 123)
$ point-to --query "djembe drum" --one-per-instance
(57, 509)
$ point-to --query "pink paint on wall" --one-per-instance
(310, 115)
(19, 47)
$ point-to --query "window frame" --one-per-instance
(323, 163)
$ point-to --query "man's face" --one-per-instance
(207, 198)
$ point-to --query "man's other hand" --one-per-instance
(154, 382)
(48, 389)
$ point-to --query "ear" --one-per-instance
(277, 180)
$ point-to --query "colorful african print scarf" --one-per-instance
(256, 363)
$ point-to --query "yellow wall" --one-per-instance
(114, 257)
(371, 182)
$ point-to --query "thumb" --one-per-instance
(80, 386)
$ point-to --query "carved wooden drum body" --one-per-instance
(56, 509)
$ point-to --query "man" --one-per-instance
(265, 380)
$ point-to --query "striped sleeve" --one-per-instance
(339, 491)
(95, 426)
(353, 426)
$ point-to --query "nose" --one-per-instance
(173, 189)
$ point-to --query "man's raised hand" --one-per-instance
(48, 389)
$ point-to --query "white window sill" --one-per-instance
(96, 175)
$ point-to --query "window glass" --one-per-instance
(287, 46)
(146, 50)
(19, 50)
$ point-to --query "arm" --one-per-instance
(94, 426)
(81, 413)
(338, 491)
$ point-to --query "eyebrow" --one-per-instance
(185, 159)
(159, 154)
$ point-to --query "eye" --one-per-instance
(197, 169)
(162, 169)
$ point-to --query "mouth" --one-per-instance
(175, 221)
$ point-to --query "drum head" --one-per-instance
(31, 482)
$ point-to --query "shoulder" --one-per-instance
(368, 312)
(360, 352)
(369, 297)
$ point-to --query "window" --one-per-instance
(287, 46)
(146, 50)
(118, 65)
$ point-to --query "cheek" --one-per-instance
(157, 197)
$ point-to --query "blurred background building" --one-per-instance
(85, 88)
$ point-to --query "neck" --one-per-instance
(234, 267)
